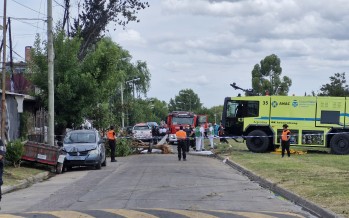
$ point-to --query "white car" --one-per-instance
(142, 131)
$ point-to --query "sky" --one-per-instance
(205, 45)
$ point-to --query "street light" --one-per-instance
(122, 100)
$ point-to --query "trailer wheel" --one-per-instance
(340, 144)
(257, 141)
(59, 168)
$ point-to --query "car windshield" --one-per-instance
(141, 128)
(80, 137)
(183, 120)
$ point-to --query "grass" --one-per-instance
(13, 176)
(318, 176)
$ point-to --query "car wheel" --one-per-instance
(99, 165)
(104, 164)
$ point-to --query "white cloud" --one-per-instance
(212, 43)
(130, 36)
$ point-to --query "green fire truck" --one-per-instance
(313, 121)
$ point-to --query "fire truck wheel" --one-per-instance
(340, 144)
(257, 141)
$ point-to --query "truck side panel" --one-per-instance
(330, 112)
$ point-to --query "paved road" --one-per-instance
(154, 184)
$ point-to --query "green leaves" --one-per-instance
(266, 77)
(186, 100)
(337, 86)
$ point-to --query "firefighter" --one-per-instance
(285, 141)
(111, 141)
(182, 143)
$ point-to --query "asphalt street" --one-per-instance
(152, 184)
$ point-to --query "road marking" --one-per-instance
(187, 213)
(258, 214)
(9, 216)
(245, 214)
(285, 213)
(64, 214)
(129, 213)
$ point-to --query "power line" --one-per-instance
(26, 18)
(28, 7)
(59, 4)
(16, 53)
(31, 24)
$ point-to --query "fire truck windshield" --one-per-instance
(182, 120)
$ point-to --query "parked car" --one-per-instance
(142, 131)
(84, 148)
(153, 124)
(127, 130)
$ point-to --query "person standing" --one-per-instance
(188, 131)
(210, 135)
(221, 135)
(182, 143)
(2, 157)
(285, 141)
(112, 143)
(216, 127)
(197, 138)
(202, 135)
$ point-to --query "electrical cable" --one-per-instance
(29, 8)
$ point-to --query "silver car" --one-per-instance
(142, 131)
(84, 148)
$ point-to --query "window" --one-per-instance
(329, 117)
(243, 109)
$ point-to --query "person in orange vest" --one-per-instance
(285, 141)
(182, 142)
(111, 136)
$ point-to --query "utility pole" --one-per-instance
(122, 107)
(12, 82)
(50, 131)
(3, 96)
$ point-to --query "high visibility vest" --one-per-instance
(111, 135)
(284, 134)
(181, 134)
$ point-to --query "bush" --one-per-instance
(14, 152)
(123, 147)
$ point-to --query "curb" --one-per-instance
(26, 182)
(296, 199)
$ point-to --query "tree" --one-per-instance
(337, 86)
(74, 90)
(186, 100)
(96, 15)
(88, 88)
(145, 110)
(266, 77)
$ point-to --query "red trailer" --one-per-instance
(45, 154)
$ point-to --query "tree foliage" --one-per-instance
(94, 17)
(88, 88)
(337, 86)
(266, 77)
(186, 100)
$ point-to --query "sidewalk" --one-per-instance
(26, 182)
